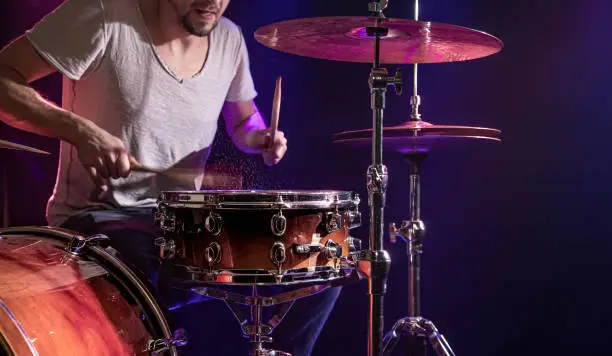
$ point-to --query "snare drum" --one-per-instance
(259, 237)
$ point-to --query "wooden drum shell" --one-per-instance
(56, 303)
(246, 240)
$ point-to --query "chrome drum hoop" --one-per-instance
(318, 275)
(259, 199)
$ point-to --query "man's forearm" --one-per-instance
(23, 108)
(247, 127)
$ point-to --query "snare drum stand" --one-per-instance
(256, 330)
(375, 262)
(253, 327)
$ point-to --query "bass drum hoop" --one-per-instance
(5, 350)
(124, 275)
(259, 199)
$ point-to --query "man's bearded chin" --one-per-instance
(201, 31)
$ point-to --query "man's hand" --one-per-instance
(103, 155)
(272, 149)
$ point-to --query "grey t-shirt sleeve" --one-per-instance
(72, 38)
(242, 87)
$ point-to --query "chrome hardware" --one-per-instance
(214, 223)
(167, 220)
(213, 254)
(393, 232)
(380, 78)
(421, 327)
(410, 231)
(157, 217)
(307, 249)
(278, 223)
(159, 346)
(354, 246)
(378, 179)
(333, 222)
(167, 248)
(396, 82)
(278, 256)
(354, 219)
(255, 328)
(76, 244)
(332, 250)
(378, 7)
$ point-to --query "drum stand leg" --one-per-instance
(254, 330)
(418, 329)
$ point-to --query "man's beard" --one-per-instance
(189, 27)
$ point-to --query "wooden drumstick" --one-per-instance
(137, 167)
(276, 109)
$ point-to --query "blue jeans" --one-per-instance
(211, 328)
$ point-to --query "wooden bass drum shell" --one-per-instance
(53, 302)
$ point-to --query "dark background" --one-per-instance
(517, 253)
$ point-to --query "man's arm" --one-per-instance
(242, 119)
(23, 108)
(245, 125)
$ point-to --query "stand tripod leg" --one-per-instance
(420, 331)
(437, 340)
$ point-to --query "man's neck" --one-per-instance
(165, 27)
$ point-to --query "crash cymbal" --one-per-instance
(407, 42)
(420, 136)
(16, 146)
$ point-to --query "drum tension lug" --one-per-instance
(213, 223)
(278, 223)
(159, 346)
(334, 221)
(167, 247)
(77, 243)
(212, 255)
(278, 256)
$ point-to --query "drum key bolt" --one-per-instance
(214, 223)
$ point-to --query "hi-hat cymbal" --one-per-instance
(17, 146)
(408, 41)
(420, 137)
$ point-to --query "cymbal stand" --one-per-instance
(375, 262)
(419, 329)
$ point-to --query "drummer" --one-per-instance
(144, 81)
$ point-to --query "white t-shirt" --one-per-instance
(114, 76)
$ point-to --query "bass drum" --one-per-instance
(64, 294)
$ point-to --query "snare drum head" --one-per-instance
(260, 199)
(53, 302)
